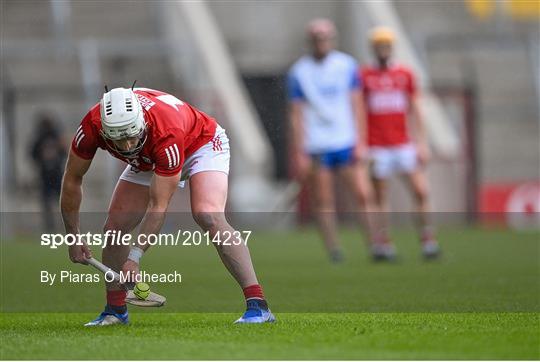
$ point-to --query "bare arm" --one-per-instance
(70, 202)
(359, 114)
(419, 126)
(71, 194)
(297, 126)
(301, 161)
(420, 130)
(161, 190)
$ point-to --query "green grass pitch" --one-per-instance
(294, 336)
(480, 301)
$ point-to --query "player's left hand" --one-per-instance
(130, 269)
(424, 154)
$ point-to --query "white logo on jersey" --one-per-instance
(173, 155)
(393, 101)
(145, 102)
(79, 136)
(171, 101)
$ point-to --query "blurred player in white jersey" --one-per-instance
(328, 128)
(391, 96)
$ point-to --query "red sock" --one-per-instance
(253, 292)
(116, 297)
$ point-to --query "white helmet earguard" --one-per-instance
(122, 117)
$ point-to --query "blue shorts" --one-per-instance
(334, 159)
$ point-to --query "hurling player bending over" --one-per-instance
(164, 141)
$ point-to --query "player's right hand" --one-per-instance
(79, 253)
(302, 166)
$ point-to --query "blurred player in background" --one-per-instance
(328, 128)
(164, 141)
(49, 151)
(390, 95)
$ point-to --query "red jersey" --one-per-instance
(387, 94)
(174, 130)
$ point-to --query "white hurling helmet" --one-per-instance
(122, 117)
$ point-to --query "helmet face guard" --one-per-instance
(129, 153)
(122, 117)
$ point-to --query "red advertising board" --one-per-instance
(513, 204)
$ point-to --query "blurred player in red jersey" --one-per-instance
(391, 96)
(165, 142)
